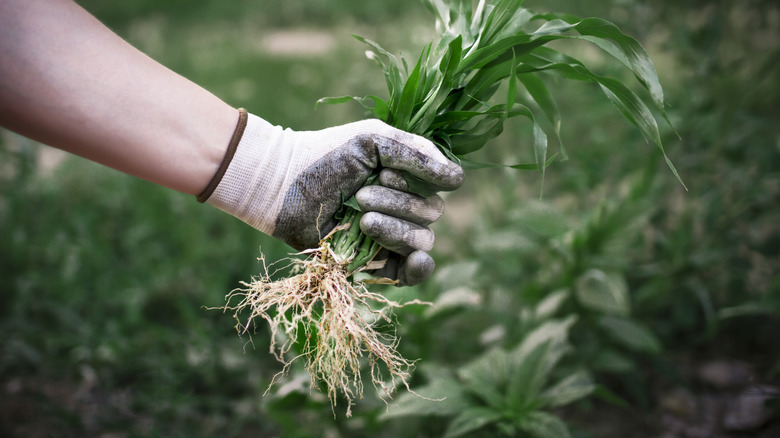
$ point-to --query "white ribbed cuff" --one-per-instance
(252, 186)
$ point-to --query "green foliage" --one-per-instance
(104, 287)
(105, 277)
(448, 96)
(504, 390)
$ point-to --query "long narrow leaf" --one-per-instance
(421, 122)
(402, 107)
(540, 151)
(501, 14)
(625, 100)
(470, 420)
(529, 377)
(633, 52)
(512, 88)
(569, 389)
(470, 164)
(515, 25)
(448, 95)
(379, 107)
(546, 102)
(539, 424)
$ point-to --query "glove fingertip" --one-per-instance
(417, 268)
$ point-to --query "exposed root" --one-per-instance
(334, 320)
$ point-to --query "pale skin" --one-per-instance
(68, 81)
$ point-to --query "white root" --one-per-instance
(330, 309)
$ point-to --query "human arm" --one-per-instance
(68, 81)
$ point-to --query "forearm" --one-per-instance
(68, 81)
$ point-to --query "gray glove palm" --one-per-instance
(290, 184)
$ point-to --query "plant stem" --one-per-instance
(350, 244)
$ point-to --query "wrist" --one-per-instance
(249, 183)
(227, 158)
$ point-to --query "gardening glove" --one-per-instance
(290, 184)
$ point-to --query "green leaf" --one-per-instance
(534, 166)
(403, 106)
(603, 292)
(637, 112)
(486, 377)
(625, 100)
(450, 61)
(422, 120)
(481, 87)
(442, 11)
(380, 51)
(479, 58)
(486, 129)
(520, 18)
(534, 358)
(569, 389)
(425, 116)
(555, 331)
(546, 308)
(553, 27)
(621, 96)
(380, 109)
(351, 203)
(544, 99)
(636, 56)
(470, 420)
(470, 164)
(512, 88)
(540, 150)
(443, 396)
(389, 64)
(529, 377)
(631, 334)
(622, 47)
(481, 127)
(335, 100)
(502, 13)
(543, 425)
(608, 359)
(426, 81)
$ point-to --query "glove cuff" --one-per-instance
(226, 160)
(251, 186)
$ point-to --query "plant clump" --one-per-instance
(333, 318)
(450, 96)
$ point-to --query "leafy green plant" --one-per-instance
(534, 262)
(506, 391)
(448, 96)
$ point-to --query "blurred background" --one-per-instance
(673, 295)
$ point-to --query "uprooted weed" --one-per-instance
(331, 319)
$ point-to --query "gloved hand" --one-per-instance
(289, 184)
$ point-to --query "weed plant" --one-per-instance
(449, 97)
